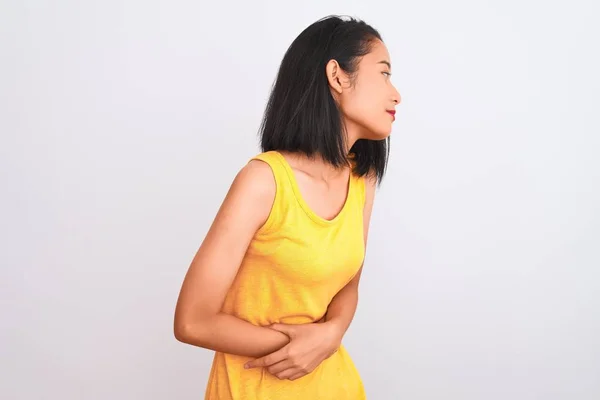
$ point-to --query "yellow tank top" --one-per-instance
(294, 266)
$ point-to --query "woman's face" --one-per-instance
(369, 100)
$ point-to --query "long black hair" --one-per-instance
(301, 114)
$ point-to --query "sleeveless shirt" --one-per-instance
(293, 267)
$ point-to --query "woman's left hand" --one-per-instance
(310, 344)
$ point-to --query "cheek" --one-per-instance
(366, 109)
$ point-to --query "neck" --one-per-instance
(316, 166)
(352, 133)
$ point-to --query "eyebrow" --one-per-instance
(386, 63)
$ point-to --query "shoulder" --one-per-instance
(255, 179)
(250, 196)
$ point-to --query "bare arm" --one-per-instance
(198, 317)
(342, 308)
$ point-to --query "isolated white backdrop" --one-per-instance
(123, 123)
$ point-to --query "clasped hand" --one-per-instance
(310, 344)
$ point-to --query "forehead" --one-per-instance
(379, 52)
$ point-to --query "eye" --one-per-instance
(387, 74)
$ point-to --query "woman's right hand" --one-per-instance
(310, 345)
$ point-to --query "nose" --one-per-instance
(396, 98)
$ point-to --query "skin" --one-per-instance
(286, 351)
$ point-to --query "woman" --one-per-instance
(274, 285)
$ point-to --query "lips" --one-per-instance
(392, 113)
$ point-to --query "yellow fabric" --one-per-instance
(294, 266)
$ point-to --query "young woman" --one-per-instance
(274, 285)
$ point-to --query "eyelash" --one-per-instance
(387, 74)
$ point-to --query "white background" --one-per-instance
(123, 123)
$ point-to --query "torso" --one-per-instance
(303, 255)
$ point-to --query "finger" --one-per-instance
(294, 373)
(287, 373)
(268, 360)
(297, 376)
(280, 367)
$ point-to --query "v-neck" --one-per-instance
(307, 209)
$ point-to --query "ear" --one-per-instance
(335, 76)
